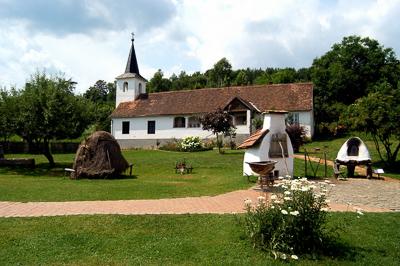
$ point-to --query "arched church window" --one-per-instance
(140, 88)
(125, 87)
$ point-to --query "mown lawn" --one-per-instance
(154, 178)
(373, 239)
(332, 147)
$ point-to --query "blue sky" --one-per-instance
(89, 40)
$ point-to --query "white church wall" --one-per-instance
(164, 129)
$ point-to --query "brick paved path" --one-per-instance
(231, 202)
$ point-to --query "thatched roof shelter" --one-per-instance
(99, 156)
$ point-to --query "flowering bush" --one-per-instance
(291, 222)
(191, 144)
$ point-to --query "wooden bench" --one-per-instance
(379, 172)
(338, 174)
(69, 171)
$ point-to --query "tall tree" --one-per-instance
(48, 110)
(349, 71)
(8, 109)
(101, 92)
(159, 83)
(378, 114)
(102, 95)
(220, 74)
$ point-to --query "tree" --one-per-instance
(349, 71)
(49, 110)
(220, 74)
(159, 83)
(378, 114)
(285, 75)
(242, 78)
(219, 122)
(101, 92)
(8, 109)
(102, 95)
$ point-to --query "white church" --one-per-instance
(147, 120)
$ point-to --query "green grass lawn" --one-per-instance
(373, 239)
(154, 178)
(333, 145)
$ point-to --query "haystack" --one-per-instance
(99, 156)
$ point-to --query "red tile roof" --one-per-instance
(253, 139)
(290, 97)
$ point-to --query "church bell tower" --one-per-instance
(130, 84)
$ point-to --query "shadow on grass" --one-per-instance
(394, 169)
(44, 169)
(41, 169)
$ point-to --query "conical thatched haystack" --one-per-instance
(99, 156)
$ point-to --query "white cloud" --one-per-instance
(184, 35)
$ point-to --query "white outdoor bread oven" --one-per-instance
(271, 143)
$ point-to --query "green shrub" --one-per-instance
(292, 222)
(297, 135)
(172, 145)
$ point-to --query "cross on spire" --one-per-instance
(133, 36)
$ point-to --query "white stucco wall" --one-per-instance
(164, 128)
(131, 93)
(276, 124)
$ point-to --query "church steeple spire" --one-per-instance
(132, 65)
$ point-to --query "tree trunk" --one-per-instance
(47, 153)
(218, 144)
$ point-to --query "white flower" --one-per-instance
(272, 207)
(294, 213)
(247, 202)
(327, 181)
(273, 197)
(283, 256)
(280, 178)
(294, 257)
(305, 188)
(284, 212)
(261, 199)
(287, 193)
(287, 198)
(327, 201)
(324, 209)
(359, 211)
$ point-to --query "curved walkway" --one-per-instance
(349, 195)
(231, 202)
